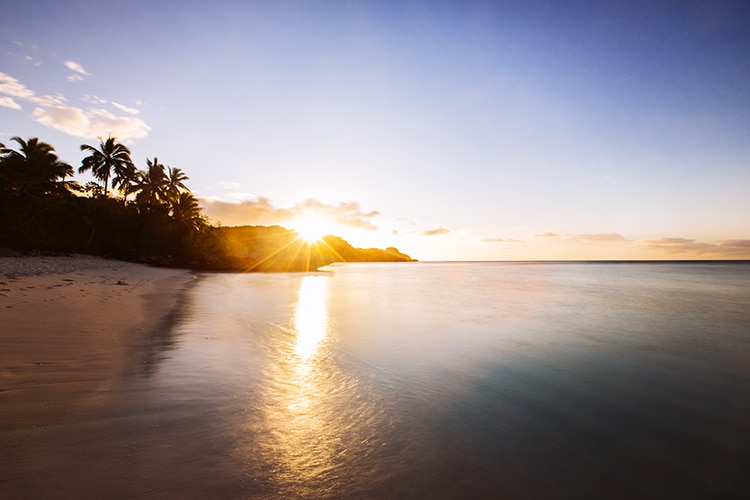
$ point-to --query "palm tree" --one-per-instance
(111, 158)
(151, 186)
(186, 211)
(125, 180)
(4, 176)
(175, 185)
(34, 169)
(162, 188)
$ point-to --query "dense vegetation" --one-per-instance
(140, 215)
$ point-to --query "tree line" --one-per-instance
(35, 169)
(147, 214)
(144, 215)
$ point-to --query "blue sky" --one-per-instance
(452, 130)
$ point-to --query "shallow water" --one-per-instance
(439, 380)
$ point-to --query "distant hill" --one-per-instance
(277, 249)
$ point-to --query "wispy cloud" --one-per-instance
(661, 247)
(32, 61)
(677, 245)
(500, 240)
(583, 237)
(739, 249)
(736, 244)
(8, 102)
(90, 123)
(12, 87)
(436, 231)
(347, 214)
(125, 109)
(598, 237)
(94, 99)
(78, 70)
(55, 112)
(261, 211)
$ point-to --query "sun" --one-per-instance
(311, 228)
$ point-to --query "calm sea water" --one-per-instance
(450, 380)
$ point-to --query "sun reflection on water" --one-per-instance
(311, 317)
(301, 414)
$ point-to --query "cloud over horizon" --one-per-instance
(55, 112)
(739, 249)
(583, 237)
(617, 246)
(436, 231)
(261, 211)
(599, 237)
(500, 240)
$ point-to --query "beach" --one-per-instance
(69, 328)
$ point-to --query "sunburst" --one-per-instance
(311, 228)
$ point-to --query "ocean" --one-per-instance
(446, 380)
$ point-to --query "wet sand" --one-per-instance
(69, 330)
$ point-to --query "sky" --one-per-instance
(452, 130)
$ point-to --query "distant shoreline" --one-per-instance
(589, 261)
(41, 263)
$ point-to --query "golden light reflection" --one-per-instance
(311, 316)
(301, 416)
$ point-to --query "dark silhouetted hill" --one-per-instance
(277, 249)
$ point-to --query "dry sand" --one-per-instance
(68, 327)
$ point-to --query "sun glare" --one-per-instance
(311, 318)
(311, 228)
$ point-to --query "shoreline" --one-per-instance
(68, 328)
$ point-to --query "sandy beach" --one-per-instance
(69, 327)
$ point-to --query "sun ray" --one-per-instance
(311, 228)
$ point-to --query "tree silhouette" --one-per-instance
(111, 159)
(162, 187)
(175, 185)
(186, 211)
(151, 185)
(34, 169)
